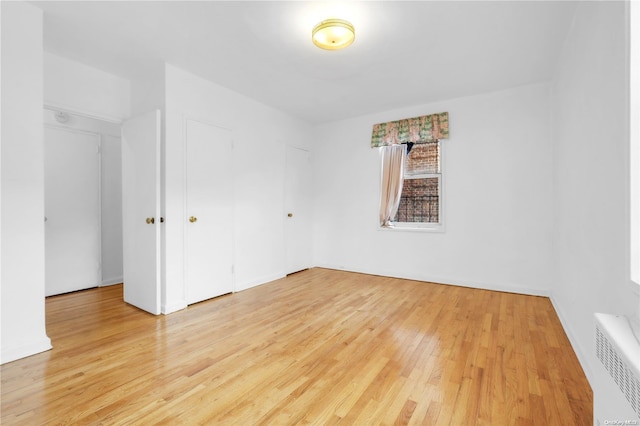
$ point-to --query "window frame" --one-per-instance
(426, 226)
(633, 10)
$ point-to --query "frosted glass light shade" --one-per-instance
(333, 34)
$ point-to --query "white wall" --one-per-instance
(497, 196)
(259, 133)
(591, 188)
(76, 87)
(23, 314)
(148, 93)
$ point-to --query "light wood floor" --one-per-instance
(317, 347)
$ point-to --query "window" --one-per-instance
(634, 137)
(421, 199)
(414, 142)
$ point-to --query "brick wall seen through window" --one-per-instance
(420, 200)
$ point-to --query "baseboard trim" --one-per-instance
(255, 283)
(25, 350)
(577, 348)
(112, 281)
(175, 306)
(444, 280)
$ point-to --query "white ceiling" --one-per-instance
(405, 53)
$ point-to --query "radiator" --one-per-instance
(618, 348)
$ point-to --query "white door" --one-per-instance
(141, 211)
(298, 210)
(209, 208)
(72, 210)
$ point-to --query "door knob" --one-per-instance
(290, 215)
(193, 219)
(150, 220)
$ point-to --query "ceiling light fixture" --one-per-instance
(333, 34)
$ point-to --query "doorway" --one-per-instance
(83, 207)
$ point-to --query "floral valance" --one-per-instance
(424, 128)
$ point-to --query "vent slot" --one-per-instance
(615, 361)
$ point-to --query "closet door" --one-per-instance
(209, 212)
(72, 210)
(297, 227)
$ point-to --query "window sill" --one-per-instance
(409, 228)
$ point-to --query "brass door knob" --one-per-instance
(290, 215)
(150, 220)
(193, 219)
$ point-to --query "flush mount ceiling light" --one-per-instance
(333, 34)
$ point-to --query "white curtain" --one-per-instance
(392, 176)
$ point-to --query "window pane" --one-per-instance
(419, 201)
(423, 158)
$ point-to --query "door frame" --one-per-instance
(52, 107)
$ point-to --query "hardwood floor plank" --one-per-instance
(317, 347)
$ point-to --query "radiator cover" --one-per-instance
(618, 348)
